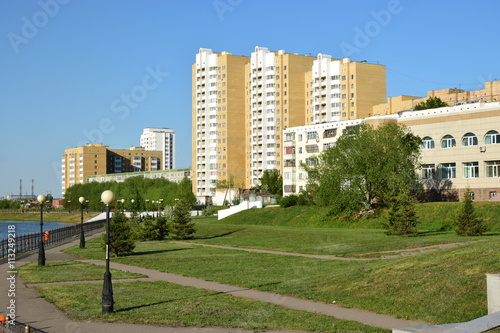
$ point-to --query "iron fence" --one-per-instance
(27, 242)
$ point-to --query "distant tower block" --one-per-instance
(20, 188)
(32, 188)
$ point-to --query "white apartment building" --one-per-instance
(301, 143)
(160, 139)
(325, 80)
(205, 123)
(262, 118)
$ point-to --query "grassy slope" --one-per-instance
(444, 286)
(447, 285)
(434, 216)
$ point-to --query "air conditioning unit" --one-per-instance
(482, 149)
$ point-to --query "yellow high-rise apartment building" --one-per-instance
(95, 159)
(241, 105)
(218, 117)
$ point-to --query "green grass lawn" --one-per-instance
(443, 286)
(168, 304)
(358, 242)
(68, 270)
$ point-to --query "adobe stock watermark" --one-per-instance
(11, 273)
(222, 6)
(122, 107)
(363, 37)
(31, 26)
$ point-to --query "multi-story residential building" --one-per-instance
(460, 148)
(342, 89)
(241, 105)
(160, 139)
(218, 115)
(301, 143)
(95, 159)
(275, 100)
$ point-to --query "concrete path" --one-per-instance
(36, 312)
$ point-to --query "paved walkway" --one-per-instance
(36, 312)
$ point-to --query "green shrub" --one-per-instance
(209, 211)
(289, 200)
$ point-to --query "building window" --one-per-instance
(311, 161)
(448, 141)
(312, 135)
(427, 143)
(469, 139)
(493, 169)
(471, 170)
(448, 170)
(330, 133)
(428, 171)
(492, 137)
(328, 145)
(312, 148)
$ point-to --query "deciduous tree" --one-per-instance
(365, 164)
(430, 103)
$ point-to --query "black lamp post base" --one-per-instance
(41, 254)
(82, 240)
(107, 294)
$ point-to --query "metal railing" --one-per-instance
(27, 242)
(17, 328)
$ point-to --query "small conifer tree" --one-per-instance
(182, 225)
(121, 241)
(466, 222)
(402, 219)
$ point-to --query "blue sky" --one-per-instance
(67, 66)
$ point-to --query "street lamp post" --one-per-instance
(159, 203)
(69, 206)
(41, 249)
(82, 236)
(107, 289)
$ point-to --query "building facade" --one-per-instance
(241, 106)
(218, 117)
(460, 148)
(275, 100)
(95, 159)
(342, 89)
(160, 139)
